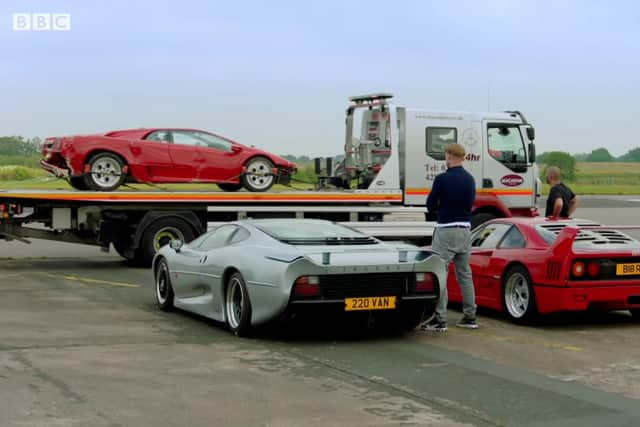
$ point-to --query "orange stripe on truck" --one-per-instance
(496, 191)
(190, 197)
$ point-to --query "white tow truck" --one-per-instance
(379, 185)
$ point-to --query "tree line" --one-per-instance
(599, 155)
(567, 162)
(19, 146)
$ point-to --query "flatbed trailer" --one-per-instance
(392, 155)
(137, 223)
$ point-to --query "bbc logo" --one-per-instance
(41, 21)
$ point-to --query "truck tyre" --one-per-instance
(160, 233)
(122, 251)
(106, 172)
(635, 313)
(518, 296)
(238, 306)
(481, 218)
(258, 175)
(230, 187)
(78, 183)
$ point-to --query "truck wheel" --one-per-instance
(78, 183)
(163, 288)
(123, 252)
(258, 175)
(238, 306)
(106, 172)
(160, 233)
(481, 218)
(635, 313)
(230, 187)
(518, 297)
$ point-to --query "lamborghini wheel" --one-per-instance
(238, 306)
(258, 175)
(229, 187)
(106, 172)
(78, 183)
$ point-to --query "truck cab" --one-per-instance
(389, 147)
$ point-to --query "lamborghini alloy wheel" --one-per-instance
(258, 175)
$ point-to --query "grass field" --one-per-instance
(60, 184)
(591, 178)
(617, 178)
(614, 174)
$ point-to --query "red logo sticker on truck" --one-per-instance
(512, 180)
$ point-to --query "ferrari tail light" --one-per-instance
(306, 286)
(593, 269)
(578, 269)
(425, 282)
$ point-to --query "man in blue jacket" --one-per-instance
(451, 199)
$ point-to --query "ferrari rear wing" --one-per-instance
(597, 234)
(592, 240)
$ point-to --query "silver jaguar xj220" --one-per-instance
(249, 273)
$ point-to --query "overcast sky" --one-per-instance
(277, 74)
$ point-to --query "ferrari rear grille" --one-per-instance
(553, 270)
(367, 285)
(593, 236)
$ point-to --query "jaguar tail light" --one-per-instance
(306, 286)
(425, 282)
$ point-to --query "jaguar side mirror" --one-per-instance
(176, 244)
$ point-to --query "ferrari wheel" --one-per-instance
(238, 306)
(258, 175)
(518, 297)
(635, 313)
(78, 183)
(230, 187)
(164, 290)
(106, 172)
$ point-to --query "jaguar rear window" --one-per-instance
(314, 233)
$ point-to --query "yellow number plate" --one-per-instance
(370, 303)
(627, 269)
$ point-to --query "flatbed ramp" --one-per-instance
(338, 197)
(136, 223)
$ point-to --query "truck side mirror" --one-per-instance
(532, 152)
(531, 133)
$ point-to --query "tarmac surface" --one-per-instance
(82, 344)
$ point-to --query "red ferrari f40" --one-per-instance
(530, 266)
